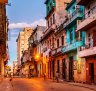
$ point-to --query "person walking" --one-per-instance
(44, 76)
(57, 76)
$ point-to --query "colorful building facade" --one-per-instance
(73, 39)
(87, 53)
(55, 13)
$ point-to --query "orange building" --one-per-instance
(3, 1)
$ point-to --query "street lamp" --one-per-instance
(37, 56)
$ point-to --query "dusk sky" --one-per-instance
(23, 13)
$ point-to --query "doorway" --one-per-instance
(91, 72)
(71, 68)
(58, 66)
(53, 69)
(63, 69)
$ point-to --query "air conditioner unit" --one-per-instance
(77, 7)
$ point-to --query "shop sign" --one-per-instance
(79, 65)
(75, 65)
(72, 46)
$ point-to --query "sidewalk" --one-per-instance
(5, 85)
(89, 86)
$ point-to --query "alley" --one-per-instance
(37, 84)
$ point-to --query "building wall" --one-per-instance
(20, 46)
(88, 70)
(3, 38)
(61, 12)
(27, 33)
(55, 18)
(80, 72)
(91, 5)
(22, 42)
(89, 42)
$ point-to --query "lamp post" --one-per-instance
(37, 57)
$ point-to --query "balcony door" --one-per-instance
(71, 68)
(94, 38)
(63, 69)
(91, 72)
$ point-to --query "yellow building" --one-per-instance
(14, 68)
(22, 43)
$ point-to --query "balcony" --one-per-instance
(77, 14)
(82, 2)
(50, 4)
(88, 21)
(35, 43)
(45, 49)
(49, 30)
(86, 51)
(51, 8)
(72, 46)
(60, 28)
(56, 51)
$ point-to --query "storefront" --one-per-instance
(58, 63)
(90, 64)
(71, 60)
(71, 65)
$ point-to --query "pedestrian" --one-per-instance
(11, 79)
(57, 76)
(44, 76)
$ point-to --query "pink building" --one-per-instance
(87, 53)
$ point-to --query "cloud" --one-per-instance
(21, 25)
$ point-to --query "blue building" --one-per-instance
(73, 39)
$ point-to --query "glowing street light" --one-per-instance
(37, 56)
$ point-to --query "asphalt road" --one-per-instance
(38, 84)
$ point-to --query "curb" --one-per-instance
(82, 86)
(65, 82)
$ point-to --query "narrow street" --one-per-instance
(37, 84)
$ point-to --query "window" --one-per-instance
(57, 43)
(48, 8)
(53, 42)
(51, 21)
(80, 35)
(53, 1)
(53, 18)
(50, 43)
(62, 40)
(71, 36)
(77, 35)
(89, 37)
(89, 11)
(48, 23)
(58, 68)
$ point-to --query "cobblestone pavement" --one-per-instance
(37, 84)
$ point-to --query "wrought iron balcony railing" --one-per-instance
(77, 13)
(89, 13)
